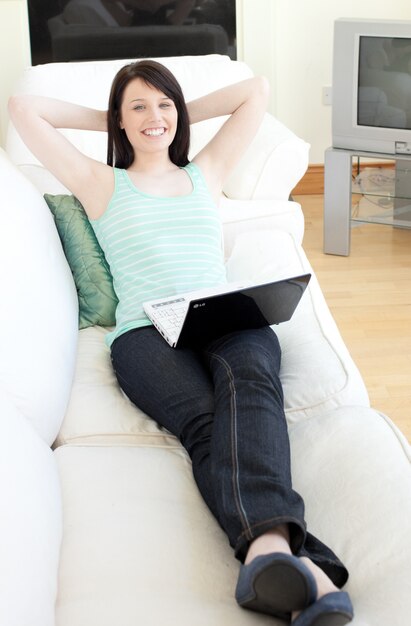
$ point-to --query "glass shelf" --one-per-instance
(382, 194)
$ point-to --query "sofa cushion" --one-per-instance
(144, 549)
(38, 316)
(242, 216)
(98, 411)
(30, 522)
(352, 465)
(91, 273)
(317, 371)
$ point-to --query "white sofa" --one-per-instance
(101, 521)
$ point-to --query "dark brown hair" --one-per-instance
(120, 152)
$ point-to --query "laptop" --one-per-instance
(194, 319)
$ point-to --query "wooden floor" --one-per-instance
(369, 294)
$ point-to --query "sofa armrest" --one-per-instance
(272, 166)
(30, 524)
(39, 316)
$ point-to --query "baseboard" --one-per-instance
(313, 180)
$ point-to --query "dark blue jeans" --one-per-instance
(225, 404)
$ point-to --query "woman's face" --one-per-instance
(148, 117)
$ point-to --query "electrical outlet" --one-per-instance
(327, 95)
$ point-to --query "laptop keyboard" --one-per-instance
(171, 314)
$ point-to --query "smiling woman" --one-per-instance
(155, 216)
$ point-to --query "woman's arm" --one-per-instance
(37, 119)
(227, 100)
(245, 103)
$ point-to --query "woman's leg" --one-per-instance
(250, 463)
(230, 419)
(250, 455)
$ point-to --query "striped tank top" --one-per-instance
(157, 246)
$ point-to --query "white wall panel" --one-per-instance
(14, 52)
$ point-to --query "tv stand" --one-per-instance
(339, 192)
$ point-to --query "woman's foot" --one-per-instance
(275, 584)
(332, 609)
(272, 580)
(332, 606)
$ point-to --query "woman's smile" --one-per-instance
(154, 132)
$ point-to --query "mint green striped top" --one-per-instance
(157, 246)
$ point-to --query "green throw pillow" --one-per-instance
(94, 283)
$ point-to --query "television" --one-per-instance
(371, 86)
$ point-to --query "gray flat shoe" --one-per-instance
(275, 584)
(333, 609)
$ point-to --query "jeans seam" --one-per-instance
(234, 450)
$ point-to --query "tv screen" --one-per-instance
(371, 109)
(382, 60)
(81, 30)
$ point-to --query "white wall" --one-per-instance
(304, 66)
(14, 51)
(299, 44)
(289, 41)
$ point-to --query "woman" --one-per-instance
(155, 216)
